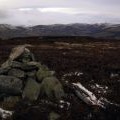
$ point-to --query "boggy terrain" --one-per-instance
(93, 62)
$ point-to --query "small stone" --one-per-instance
(31, 90)
(17, 73)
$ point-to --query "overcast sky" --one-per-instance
(34, 12)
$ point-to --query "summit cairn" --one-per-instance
(22, 78)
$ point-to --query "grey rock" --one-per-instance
(58, 91)
(17, 73)
(27, 67)
(10, 85)
(16, 64)
(33, 63)
(30, 66)
(27, 56)
(24, 66)
(4, 70)
(31, 90)
(12, 63)
(52, 88)
(43, 72)
(31, 74)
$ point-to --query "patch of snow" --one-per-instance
(112, 75)
(87, 96)
(76, 73)
(61, 106)
(5, 113)
(64, 104)
(99, 88)
(108, 102)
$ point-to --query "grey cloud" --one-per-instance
(106, 11)
(35, 18)
(57, 3)
(3, 14)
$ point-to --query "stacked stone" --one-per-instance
(21, 77)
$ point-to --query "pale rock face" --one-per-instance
(18, 51)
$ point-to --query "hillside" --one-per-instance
(106, 31)
(92, 62)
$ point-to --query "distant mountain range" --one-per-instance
(106, 31)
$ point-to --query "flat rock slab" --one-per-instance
(24, 66)
(16, 64)
(27, 67)
(10, 85)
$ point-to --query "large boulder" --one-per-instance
(31, 90)
(52, 88)
(10, 85)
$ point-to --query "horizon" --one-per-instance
(109, 24)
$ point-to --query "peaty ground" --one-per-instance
(93, 62)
